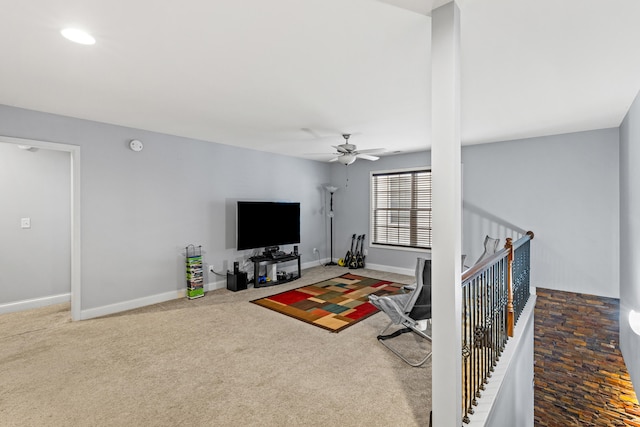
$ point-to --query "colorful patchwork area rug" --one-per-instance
(333, 304)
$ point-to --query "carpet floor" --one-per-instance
(217, 360)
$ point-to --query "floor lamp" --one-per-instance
(331, 189)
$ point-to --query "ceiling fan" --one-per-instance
(348, 153)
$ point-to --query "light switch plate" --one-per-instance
(25, 222)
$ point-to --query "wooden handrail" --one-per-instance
(522, 240)
(482, 265)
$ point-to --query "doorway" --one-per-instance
(74, 153)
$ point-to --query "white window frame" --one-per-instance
(372, 208)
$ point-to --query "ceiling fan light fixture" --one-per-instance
(347, 159)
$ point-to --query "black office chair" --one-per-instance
(411, 310)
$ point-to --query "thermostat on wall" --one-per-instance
(135, 145)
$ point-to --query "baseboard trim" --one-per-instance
(390, 269)
(28, 304)
(218, 284)
(119, 307)
(315, 263)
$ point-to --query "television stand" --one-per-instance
(266, 261)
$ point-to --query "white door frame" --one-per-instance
(74, 151)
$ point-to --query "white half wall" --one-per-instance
(508, 399)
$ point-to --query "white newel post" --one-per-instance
(447, 216)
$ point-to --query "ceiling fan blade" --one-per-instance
(321, 132)
(311, 132)
(373, 151)
(335, 159)
(367, 157)
(340, 148)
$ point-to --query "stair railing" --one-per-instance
(494, 294)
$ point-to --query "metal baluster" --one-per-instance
(528, 275)
(489, 322)
(474, 350)
(487, 325)
(495, 323)
(483, 341)
(517, 281)
(503, 306)
(505, 290)
(480, 335)
(497, 313)
(505, 299)
(466, 401)
(520, 284)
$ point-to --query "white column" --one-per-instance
(447, 216)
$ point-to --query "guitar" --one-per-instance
(354, 259)
(361, 256)
(349, 255)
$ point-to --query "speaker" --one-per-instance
(295, 250)
(237, 282)
(236, 267)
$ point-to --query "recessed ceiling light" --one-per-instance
(78, 36)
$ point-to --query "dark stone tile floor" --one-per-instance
(580, 375)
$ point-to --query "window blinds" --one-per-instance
(401, 208)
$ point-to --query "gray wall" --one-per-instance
(34, 263)
(139, 210)
(630, 237)
(565, 189)
(352, 208)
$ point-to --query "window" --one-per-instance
(401, 208)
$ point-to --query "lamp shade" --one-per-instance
(331, 188)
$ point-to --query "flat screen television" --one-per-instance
(262, 224)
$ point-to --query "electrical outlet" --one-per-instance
(315, 250)
(211, 268)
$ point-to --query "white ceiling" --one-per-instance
(290, 76)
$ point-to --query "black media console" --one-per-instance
(267, 261)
